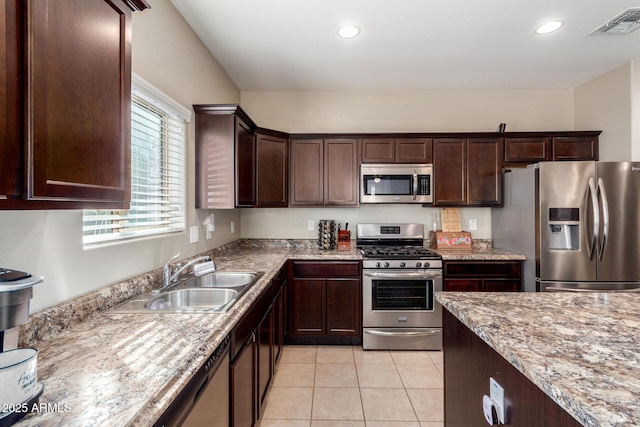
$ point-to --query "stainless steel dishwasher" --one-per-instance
(205, 399)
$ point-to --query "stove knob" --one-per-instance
(402, 264)
(426, 265)
(386, 265)
(418, 264)
(378, 265)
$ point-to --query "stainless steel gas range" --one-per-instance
(399, 279)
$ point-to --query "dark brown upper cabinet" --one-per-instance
(323, 172)
(225, 157)
(467, 172)
(575, 148)
(66, 135)
(484, 172)
(396, 150)
(450, 172)
(549, 146)
(272, 166)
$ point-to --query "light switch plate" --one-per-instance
(193, 234)
(473, 224)
(310, 225)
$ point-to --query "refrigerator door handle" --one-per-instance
(605, 217)
(596, 217)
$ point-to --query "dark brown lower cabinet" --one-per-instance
(256, 343)
(265, 358)
(324, 303)
(482, 276)
(243, 385)
(469, 363)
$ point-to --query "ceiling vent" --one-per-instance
(624, 23)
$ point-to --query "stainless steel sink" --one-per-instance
(196, 299)
(212, 293)
(223, 279)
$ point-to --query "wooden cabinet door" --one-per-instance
(344, 307)
(450, 172)
(527, 150)
(309, 307)
(79, 114)
(484, 172)
(11, 101)
(501, 285)
(245, 165)
(575, 148)
(377, 150)
(265, 358)
(306, 187)
(414, 150)
(462, 285)
(271, 171)
(278, 325)
(243, 386)
(341, 172)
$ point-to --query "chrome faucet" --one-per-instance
(168, 278)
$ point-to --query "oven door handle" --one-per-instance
(402, 334)
(403, 275)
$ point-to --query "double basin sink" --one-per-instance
(211, 293)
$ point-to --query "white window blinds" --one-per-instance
(157, 176)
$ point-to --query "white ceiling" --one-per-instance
(410, 44)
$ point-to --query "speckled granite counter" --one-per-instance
(125, 369)
(480, 253)
(582, 350)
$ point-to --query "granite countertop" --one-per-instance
(126, 369)
(479, 253)
(582, 350)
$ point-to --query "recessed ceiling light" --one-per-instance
(348, 31)
(549, 27)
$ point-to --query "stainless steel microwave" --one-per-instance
(396, 183)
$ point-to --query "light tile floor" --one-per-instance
(343, 386)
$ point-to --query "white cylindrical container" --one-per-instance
(18, 375)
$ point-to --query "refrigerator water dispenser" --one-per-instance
(564, 226)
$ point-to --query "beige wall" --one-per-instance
(635, 110)
(411, 111)
(403, 111)
(49, 243)
(605, 103)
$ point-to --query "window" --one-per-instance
(157, 172)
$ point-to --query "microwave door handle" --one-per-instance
(415, 185)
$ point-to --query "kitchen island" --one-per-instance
(581, 350)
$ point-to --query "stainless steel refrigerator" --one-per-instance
(578, 223)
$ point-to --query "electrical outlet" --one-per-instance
(194, 236)
(473, 224)
(497, 396)
(233, 227)
(311, 226)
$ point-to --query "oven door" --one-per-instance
(400, 311)
(401, 298)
